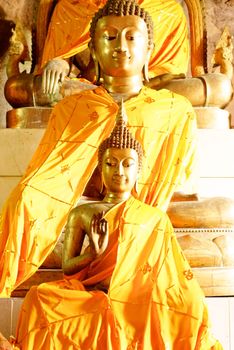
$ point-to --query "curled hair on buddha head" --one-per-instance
(123, 8)
(120, 138)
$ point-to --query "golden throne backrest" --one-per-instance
(44, 13)
(198, 35)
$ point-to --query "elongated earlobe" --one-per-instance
(97, 71)
(135, 189)
(102, 187)
(96, 64)
(145, 70)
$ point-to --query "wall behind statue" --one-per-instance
(12, 11)
(219, 13)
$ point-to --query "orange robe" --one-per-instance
(171, 51)
(37, 209)
(153, 301)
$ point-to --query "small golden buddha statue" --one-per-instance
(120, 160)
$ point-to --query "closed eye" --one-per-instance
(111, 164)
(130, 37)
(128, 164)
(109, 37)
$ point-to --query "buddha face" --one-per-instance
(119, 169)
(121, 45)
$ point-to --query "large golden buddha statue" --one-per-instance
(66, 54)
(131, 287)
(35, 213)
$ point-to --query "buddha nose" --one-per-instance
(121, 45)
(120, 170)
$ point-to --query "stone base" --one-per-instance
(212, 118)
(207, 247)
(28, 117)
(215, 281)
(37, 117)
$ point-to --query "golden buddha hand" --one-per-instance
(99, 233)
(54, 73)
(162, 80)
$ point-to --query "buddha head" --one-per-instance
(120, 158)
(121, 39)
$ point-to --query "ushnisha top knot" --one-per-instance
(121, 118)
(120, 137)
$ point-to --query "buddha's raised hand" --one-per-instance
(99, 233)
